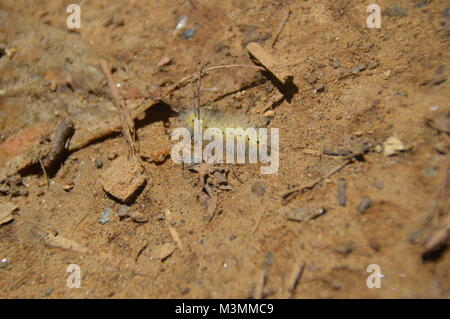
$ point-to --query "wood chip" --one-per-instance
(165, 60)
(294, 277)
(269, 62)
(259, 291)
(166, 251)
(173, 232)
(123, 179)
(139, 217)
(63, 243)
(392, 146)
(6, 212)
(437, 238)
(64, 132)
(301, 214)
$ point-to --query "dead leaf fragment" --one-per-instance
(165, 60)
(392, 146)
(166, 251)
(63, 243)
(139, 217)
(438, 238)
(123, 179)
(302, 214)
(6, 212)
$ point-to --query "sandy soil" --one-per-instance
(353, 88)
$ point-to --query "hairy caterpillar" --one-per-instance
(236, 134)
(223, 121)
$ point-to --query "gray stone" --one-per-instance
(395, 11)
(98, 163)
(105, 216)
(365, 203)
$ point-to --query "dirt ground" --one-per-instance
(353, 88)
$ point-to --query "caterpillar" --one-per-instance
(236, 134)
(223, 121)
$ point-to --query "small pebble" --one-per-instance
(311, 79)
(359, 68)
(421, 4)
(335, 63)
(139, 218)
(48, 292)
(379, 185)
(364, 205)
(258, 189)
(301, 214)
(373, 65)
(344, 249)
(431, 170)
(67, 187)
(319, 88)
(123, 211)
(4, 263)
(187, 34)
(105, 216)
(98, 163)
(342, 194)
(112, 156)
(185, 291)
(395, 11)
(161, 217)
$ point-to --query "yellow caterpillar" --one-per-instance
(236, 134)
(226, 121)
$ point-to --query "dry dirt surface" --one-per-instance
(363, 152)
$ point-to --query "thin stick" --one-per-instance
(281, 27)
(199, 84)
(45, 172)
(296, 274)
(286, 197)
(182, 83)
(125, 117)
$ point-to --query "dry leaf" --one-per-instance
(392, 145)
(6, 210)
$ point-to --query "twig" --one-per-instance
(125, 116)
(287, 196)
(140, 251)
(45, 172)
(296, 274)
(259, 291)
(182, 83)
(173, 232)
(64, 132)
(281, 27)
(199, 84)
